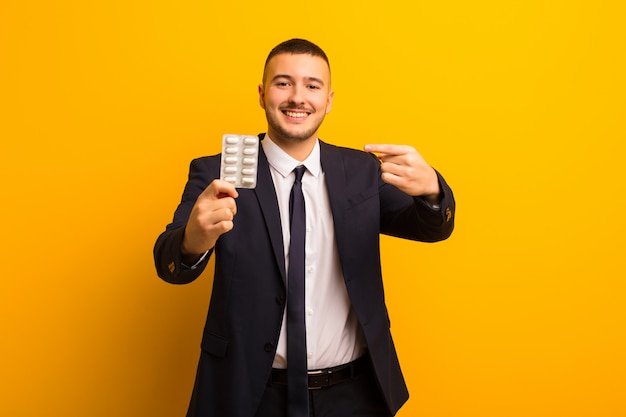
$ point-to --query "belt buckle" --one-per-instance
(324, 380)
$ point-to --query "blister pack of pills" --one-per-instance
(240, 158)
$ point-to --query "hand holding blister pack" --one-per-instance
(240, 158)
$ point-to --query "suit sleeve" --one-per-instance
(412, 217)
(167, 255)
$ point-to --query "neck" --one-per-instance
(298, 150)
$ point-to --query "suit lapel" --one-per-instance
(266, 195)
(332, 164)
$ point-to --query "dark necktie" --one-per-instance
(297, 378)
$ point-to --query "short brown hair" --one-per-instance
(296, 46)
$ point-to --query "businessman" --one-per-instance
(297, 323)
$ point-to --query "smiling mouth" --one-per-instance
(296, 114)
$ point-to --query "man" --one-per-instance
(335, 202)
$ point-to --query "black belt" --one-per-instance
(323, 378)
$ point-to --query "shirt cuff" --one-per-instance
(435, 207)
(194, 266)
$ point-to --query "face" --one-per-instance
(296, 96)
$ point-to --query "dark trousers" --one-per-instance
(357, 397)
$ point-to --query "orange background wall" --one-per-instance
(520, 104)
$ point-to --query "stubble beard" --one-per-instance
(294, 137)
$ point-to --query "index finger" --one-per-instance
(386, 149)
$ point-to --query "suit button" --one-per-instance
(280, 299)
(268, 347)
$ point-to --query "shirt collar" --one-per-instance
(285, 164)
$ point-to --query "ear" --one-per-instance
(262, 96)
(329, 101)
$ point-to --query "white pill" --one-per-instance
(249, 151)
(230, 170)
(231, 150)
(250, 141)
(231, 140)
(247, 171)
(248, 161)
(247, 180)
(230, 179)
(230, 159)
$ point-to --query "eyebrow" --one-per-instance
(289, 77)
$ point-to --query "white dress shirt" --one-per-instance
(333, 333)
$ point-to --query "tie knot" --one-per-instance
(299, 170)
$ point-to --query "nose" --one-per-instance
(297, 94)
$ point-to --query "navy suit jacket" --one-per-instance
(248, 298)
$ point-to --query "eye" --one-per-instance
(282, 84)
(313, 86)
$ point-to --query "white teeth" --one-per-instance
(297, 115)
